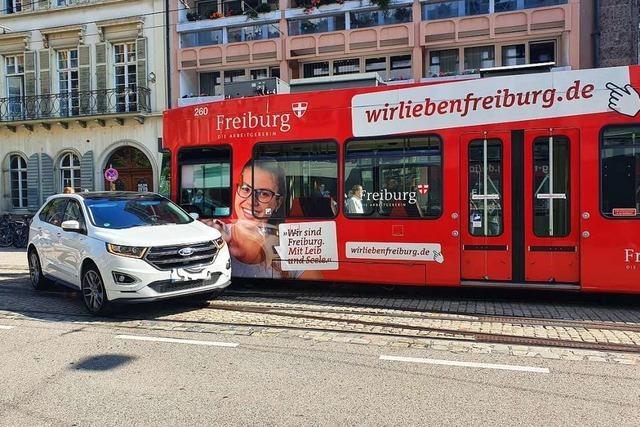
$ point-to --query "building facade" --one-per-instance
(617, 32)
(82, 89)
(217, 42)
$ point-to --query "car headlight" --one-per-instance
(127, 251)
(219, 242)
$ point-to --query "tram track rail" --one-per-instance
(420, 332)
(367, 309)
(332, 308)
(465, 317)
(455, 334)
(443, 315)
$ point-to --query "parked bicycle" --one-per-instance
(14, 231)
(6, 231)
(21, 232)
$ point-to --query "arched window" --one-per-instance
(18, 171)
(70, 171)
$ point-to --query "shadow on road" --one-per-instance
(104, 362)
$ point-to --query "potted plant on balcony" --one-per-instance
(233, 12)
(363, 20)
(252, 13)
(402, 14)
(382, 4)
(308, 27)
(193, 16)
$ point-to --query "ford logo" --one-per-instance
(186, 251)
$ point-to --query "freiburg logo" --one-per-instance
(299, 108)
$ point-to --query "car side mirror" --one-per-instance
(72, 225)
(194, 215)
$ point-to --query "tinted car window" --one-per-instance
(127, 212)
(73, 212)
(55, 213)
(45, 211)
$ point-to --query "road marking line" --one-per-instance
(466, 364)
(177, 341)
(6, 327)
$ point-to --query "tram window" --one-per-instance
(620, 172)
(307, 181)
(551, 213)
(205, 181)
(394, 178)
(485, 201)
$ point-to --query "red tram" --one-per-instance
(519, 181)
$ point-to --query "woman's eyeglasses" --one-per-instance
(261, 194)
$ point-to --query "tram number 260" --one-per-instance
(201, 112)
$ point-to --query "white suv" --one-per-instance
(119, 246)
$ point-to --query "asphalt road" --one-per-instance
(64, 373)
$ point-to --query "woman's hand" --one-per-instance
(247, 242)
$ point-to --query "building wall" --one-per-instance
(618, 20)
(93, 27)
(447, 26)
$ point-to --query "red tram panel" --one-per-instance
(520, 181)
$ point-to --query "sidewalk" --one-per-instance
(13, 261)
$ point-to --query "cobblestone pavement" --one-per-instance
(544, 325)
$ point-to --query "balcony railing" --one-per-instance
(442, 9)
(76, 104)
(349, 20)
(29, 5)
(317, 25)
(253, 32)
(201, 38)
(375, 18)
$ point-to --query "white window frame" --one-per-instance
(18, 4)
(129, 98)
(69, 101)
(362, 64)
(70, 170)
(497, 53)
(22, 201)
(15, 104)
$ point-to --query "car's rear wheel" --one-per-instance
(35, 271)
(94, 295)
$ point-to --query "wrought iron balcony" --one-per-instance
(75, 105)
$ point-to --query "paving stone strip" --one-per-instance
(167, 324)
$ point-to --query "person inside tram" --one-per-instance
(386, 207)
(324, 205)
(198, 199)
(354, 202)
(258, 205)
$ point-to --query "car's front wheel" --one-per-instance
(35, 271)
(94, 295)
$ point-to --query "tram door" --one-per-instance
(551, 206)
(520, 206)
(486, 206)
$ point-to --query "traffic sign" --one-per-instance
(111, 175)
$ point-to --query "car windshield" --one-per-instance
(134, 211)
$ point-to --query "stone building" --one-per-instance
(82, 89)
(217, 42)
